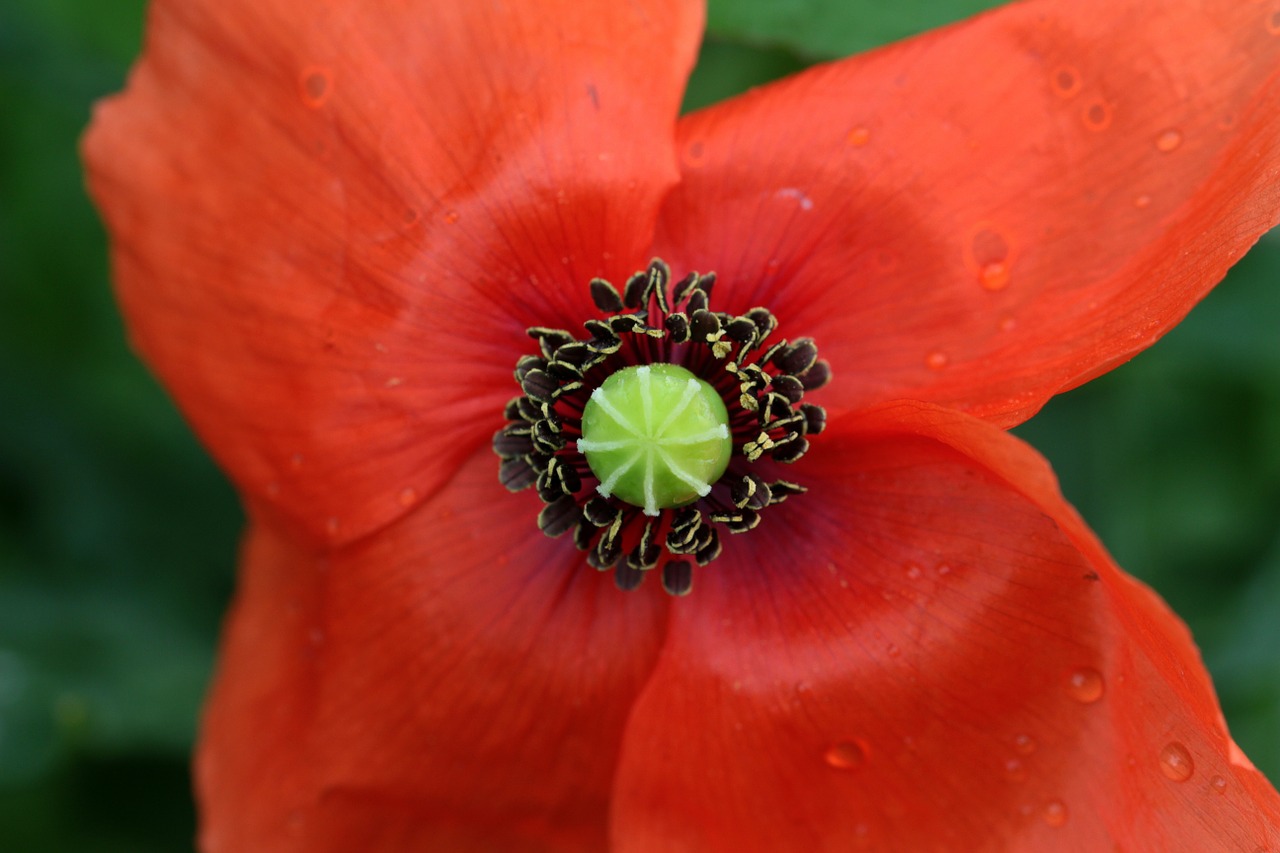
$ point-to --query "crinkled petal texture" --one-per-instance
(333, 221)
(926, 651)
(992, 213)
(931, 652)
(457, 682)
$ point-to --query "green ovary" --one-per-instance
(656, 436)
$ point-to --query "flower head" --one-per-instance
(335, 225)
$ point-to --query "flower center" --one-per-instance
(656, 436)
(662, 427)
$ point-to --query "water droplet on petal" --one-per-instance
(694, 154)
(1218, 784)
(1168, 140)
(1065, 81)
(859, 137)
(1097, 115)
(331, 526)
(988, 255)
(914, 572)
(1175, 762)
(995, 276)
(944, 570)
(407, 497)
(1015, 770)
(936, 360)
(1055, 813)
(886, 261)
(844, 755)
(1273, 23)
(1085, 685)
(1142, 201)
(1024, 744)
(451, 217)
(314, 85)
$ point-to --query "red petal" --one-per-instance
(455, 682)
(995, 212)
(333, 222)
(929, 651)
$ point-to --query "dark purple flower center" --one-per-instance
(654, 323)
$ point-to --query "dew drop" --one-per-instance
(995, 276)
(1175, 762)
(1055, 813)
(295, 461)
(331, 526)
(944, 570)
(411, 217)
(1218, 784)
(407, 497)
(988, 255)
(314, 86)
(1024, 744)
(936, 360)
(1015, 770)
(858, 137)
(273, 489)
(892, 650)
(1273, 23)
(1008, 324)
(451, 217)
(844, 755)
(695, 154)
(1065, 81)
(1168, 140)
(1097, 115)
(914, 572)
(1142, 201)
(1085, 685)
(886, 261)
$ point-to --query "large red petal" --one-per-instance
(994, 212)
(929, 651)
(455, 682)
(332, 222)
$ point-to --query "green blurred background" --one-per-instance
(118, 536)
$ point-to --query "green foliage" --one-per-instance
(826, 29)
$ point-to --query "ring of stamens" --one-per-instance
(649, 329)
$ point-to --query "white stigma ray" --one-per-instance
(702, 487)
(717, 431)
(606, 488)
(588, 444)
(602, 400)
(646, 398)
(686, 397)
(650, 500)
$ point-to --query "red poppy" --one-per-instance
(334, 222)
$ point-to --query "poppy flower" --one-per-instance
(339, 228)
